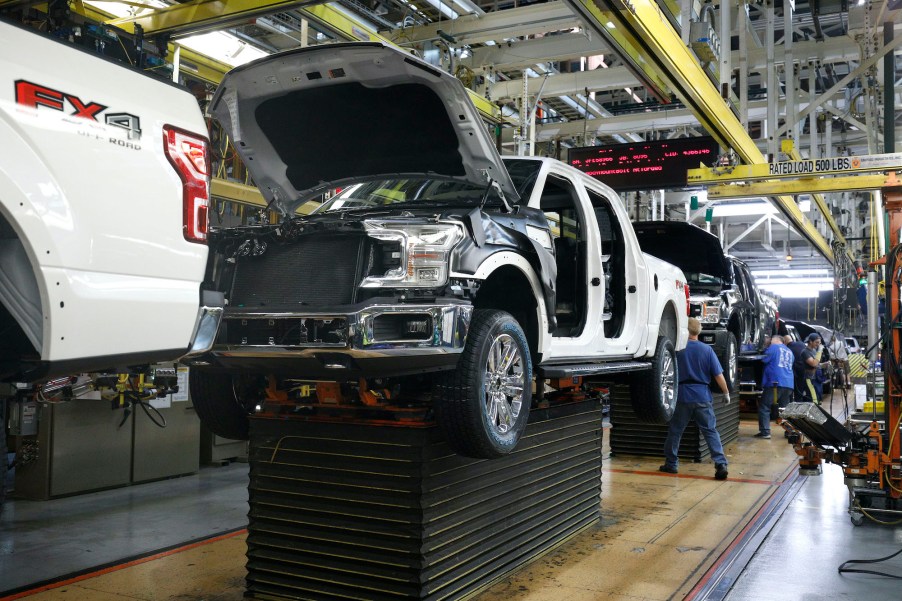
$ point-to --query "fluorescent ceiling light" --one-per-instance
(740, 209)
(223, 47)
(798, 290)
(124, 10)
(219, 45)
(469, 7)
(800, 282)
(789, 273)
(443, 8)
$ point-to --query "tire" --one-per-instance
(654, 395)
(220, 403)
(727, 351)
(482, 406)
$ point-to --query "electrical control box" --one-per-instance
(23, 417)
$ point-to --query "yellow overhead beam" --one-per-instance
(224, 189)
(202, 15)
(228, 190)
(662, 47)
(807, 185)
(625, 43)
(789, 148)
(194, 64)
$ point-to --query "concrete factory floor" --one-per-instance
(764, 534)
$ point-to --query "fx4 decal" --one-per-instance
(34, 95)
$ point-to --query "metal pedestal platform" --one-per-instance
(630, 436)
(355, 510)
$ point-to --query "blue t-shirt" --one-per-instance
(777, 362)
(698, 365)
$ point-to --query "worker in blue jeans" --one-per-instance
(698, 365)
(777, 383)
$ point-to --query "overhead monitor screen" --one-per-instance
(645, 165)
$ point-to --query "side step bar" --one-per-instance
(591, 369)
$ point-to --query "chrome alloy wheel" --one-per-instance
(504, 384)
(732, 363)
(668, 381)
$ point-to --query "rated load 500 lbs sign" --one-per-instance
(796, 169)
(836, 165)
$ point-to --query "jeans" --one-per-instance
(707, 425)
(772, 395)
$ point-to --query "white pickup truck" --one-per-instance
(104, 188)
(495, 278)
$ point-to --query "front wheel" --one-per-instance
(222, 401)
(654, 394)
(482, 406)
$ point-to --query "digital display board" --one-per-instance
(645, 165)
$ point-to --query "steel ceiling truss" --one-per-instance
(496, 26)
(663, 50)
(184, 19)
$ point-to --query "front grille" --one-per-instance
(695, 310)
(285, 332)
(320, 270)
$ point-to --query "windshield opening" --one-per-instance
(409, 193)
(523, 173)
(703, 281)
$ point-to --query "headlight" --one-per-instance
(710, 312)
(424, 253)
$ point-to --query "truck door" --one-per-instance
(623, 301)
(747, 311)
(757, 316)
(575, 246)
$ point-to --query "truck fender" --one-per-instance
(513, 259)
(490, 235)
(27, 188)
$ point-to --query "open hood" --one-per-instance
(311, 119)
(687, 246)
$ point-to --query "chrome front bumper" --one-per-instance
(365, 341)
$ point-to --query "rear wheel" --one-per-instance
(654, 394)
(222, 401)
(482, 406)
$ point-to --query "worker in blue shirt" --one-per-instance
(698, 365)
(777, 383)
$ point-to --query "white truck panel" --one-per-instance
(98, 314)
(97, 206)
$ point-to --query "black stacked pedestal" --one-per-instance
(630, 436)
(361, 511)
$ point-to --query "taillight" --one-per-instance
(686, 288)
(189, 154)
